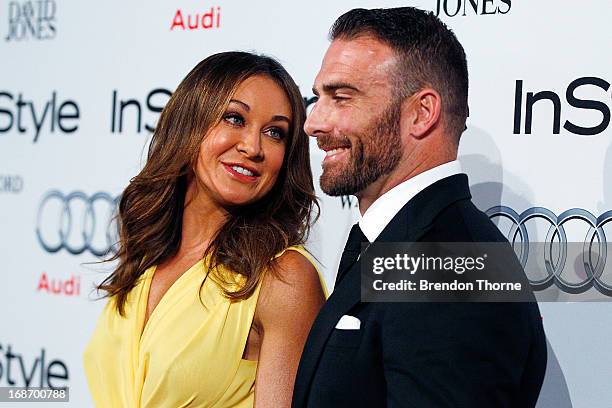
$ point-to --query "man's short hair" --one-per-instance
(429, 54)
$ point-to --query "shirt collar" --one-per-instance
(385, 207)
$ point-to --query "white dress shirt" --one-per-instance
(382, 211)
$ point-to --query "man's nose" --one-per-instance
(318, 121)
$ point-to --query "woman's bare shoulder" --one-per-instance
(293, 291)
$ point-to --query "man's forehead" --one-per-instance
(361, 59)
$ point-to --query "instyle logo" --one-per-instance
(31, 20)
(77, 222)
(63, 287)
(132, 109)
(453, 8)
(29, 116)
(55, 115)
(18, 370)
(524, 103)
(11, 183)
(210, 19)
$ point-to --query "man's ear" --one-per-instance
(421, 112)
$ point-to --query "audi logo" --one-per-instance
(77, 222)
(593, 253)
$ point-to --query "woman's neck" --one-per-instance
(202, 218)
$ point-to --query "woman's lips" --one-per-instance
(238, 175)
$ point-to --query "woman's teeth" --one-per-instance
(242, 170)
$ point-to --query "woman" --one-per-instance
(213, 297)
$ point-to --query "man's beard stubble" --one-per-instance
(374, 153)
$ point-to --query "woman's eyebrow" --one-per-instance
(244, 105)
(276, 118)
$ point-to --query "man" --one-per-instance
(392, 104)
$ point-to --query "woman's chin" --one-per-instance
(239, 201)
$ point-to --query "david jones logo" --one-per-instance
(31, 20)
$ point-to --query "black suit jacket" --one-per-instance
(424, 354)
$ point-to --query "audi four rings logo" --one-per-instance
(594, 246)
(77, 222)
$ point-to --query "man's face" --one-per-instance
(356, 117)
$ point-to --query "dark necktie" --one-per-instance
(351, 252)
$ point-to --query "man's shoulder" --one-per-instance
(462, 221)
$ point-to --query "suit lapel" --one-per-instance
(417, 216)
(408, 225)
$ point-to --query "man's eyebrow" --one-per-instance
(334, 86)
(244, 105)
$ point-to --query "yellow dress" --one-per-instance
(189, 354)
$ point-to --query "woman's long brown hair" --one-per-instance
(151, 207)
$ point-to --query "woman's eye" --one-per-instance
(276, 133)
(234, 119)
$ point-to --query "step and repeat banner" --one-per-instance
(82, 84)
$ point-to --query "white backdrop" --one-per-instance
(64, 62)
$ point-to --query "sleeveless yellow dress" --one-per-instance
(189, 354)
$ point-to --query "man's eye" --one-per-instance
(234, 119)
